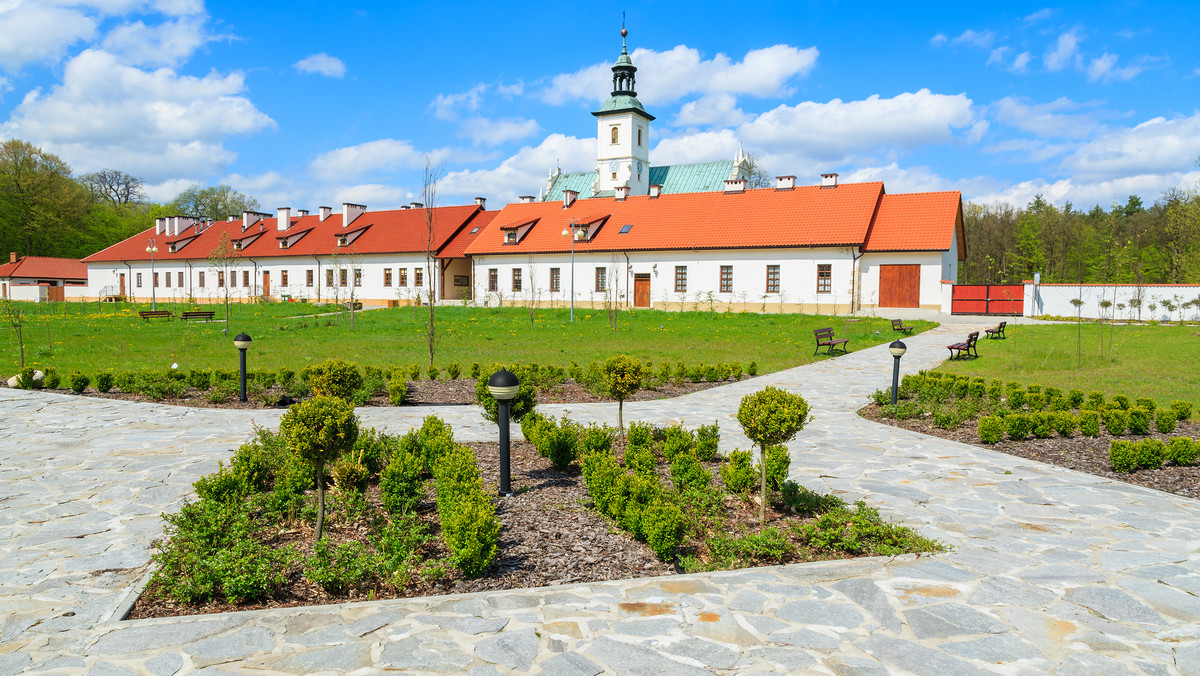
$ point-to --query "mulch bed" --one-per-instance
(1084, 454)
(549, 536)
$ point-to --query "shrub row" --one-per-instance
(467, 514)
(1127, 456)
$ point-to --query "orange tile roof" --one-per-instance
(44, 267)
(919, 221)
(394, 231)
(458, 244)
(804, 216)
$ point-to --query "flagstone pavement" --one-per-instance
(1053, 571)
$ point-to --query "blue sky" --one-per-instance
(308, 103)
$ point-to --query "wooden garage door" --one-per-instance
(899, 285)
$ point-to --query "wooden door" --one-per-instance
(56, 293)
(266, 283)
(122, 284)
(641, 290)
(899, 286)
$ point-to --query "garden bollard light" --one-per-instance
(504, 385)
(242, 342)
(897, 349)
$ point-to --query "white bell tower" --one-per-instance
(623, 133)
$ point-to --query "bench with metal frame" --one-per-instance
(997, 332)
(147, 315)
(206, 315)
(826, 340)
(966, 348)
(898, 325)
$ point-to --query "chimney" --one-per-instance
(159, 222)
(350, 212)
(301, 213)
(622, 192)
(173, 229)
(655, 190)
(12, 256)
(324, 213)
(417, 205)
(785, 182)
(249, 218)
(231, 218)
(404, 207)
(481, 202)
(527, 199)
(829, 180)
(283, 219)
(569, 197)
(734, 186)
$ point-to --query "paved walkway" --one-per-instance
(1053, 571)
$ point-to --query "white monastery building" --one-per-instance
(626, 234)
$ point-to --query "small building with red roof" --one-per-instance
(376, 257)
(31, 272)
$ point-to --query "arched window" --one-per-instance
(616, 134)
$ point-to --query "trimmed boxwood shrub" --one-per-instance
(991, 429)
(333, 378)
(1139, 420)
(1182, 451)
(199, 379)
(687, 473)
(1065, 423)
(79, 382)
(51, 379)
(1016, 395)
(1152, 453)
(640, 434)
(1075, 397)
(1089, 423)
(1165, 419)
(1122, 402)
(397, 389)
(558, 441)
(707, 439)
(640, 459)
(468, 516)
(1043, 425)
(595, 439)
(104, 381)
(662, 525)
(453, 370)
(1019, 425)
(400, 482)
(778, 463)
(1147, 403)
(1183, 409)
(737, 471)
(1122, 456)
(1095, 400)
(1115, 420)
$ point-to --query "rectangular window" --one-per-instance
(772, 279)
(387, 276)
(344, 277)
(357, 276)
(555, 280)
(246, 278)
(601, 280)
(726, 279)
(180, 279)
(418, 277)
(329, 277)
(403, 276)
(824, 278)
(220, 280)
(283, 278)
(308, 278)
(680, 279)
(200, 279)
(139, 280)
(516, 279)
(168, 280)
(493, 279)
(156, 280)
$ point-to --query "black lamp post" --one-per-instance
(241, 341)
(503, 385)
(897, 349)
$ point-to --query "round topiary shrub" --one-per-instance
(397, 388)
(770, 417)
(104, 381)
(1116, 421)
(1165, 420)
(991, 429)
(1122, 456)
(320, 430)
(79, 382)
(1018, 425)
(1139, 420)
(1065, 423)
(1089, 423)
(1183, 409)
(1182, 451)
(333, 378)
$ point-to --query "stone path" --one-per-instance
(1053, 571)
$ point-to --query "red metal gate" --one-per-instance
(987, 299)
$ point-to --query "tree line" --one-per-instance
(1129, 243)
(46, 210)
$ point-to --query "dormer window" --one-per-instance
(510, 237)
(283, 244)
(341, 240)
(171, 249)
(237, 246)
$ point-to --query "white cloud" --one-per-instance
(1086, 194)
(357, 160)
(166, 44)
(511, 91)
(149, 123)
(36, 33)
(712, 110)
(1029, 150)
(839, 129)
(1157, 146)
(483, 131)
(1104, 68)
(973, 38)
(522, 173)
(168, 189)
(321, 64)
(938, 40)
(1053, 119)
(698, 147)
(1065, 52)
(447, 106)
(664, 77)
(1021, 63)
(998, 55)
(1044, 13)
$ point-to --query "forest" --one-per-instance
(47, 211)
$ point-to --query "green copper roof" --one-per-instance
(621, 103)
(700, 177)
(580, 181)
(624, 60)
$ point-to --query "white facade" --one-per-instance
(1124, 301)
(623, 152)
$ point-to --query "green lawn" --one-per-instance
(1161, 362)
(114, 338)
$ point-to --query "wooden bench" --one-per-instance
(966, 348)
(997, 332)
(206, 315)
(826, 340)
(898, 325)
(147, 315)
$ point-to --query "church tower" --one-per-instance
(623, 133)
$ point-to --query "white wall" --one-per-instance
(797, 272)
(28, 292)
(1055, 300)
(934, 265)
